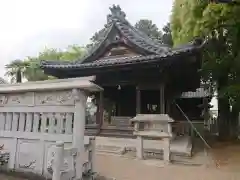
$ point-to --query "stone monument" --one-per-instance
(154, 126)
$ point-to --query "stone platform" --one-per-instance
(179, 146)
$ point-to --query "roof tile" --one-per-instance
(117, 22)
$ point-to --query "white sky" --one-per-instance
(27, 26)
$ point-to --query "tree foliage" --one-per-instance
(219, 23)
(15, 70)
(29, 68)
(149, 28)
(167, 35)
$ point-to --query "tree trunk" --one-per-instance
(223, 119)
(223, 113)
(19, 76)
(234, 123)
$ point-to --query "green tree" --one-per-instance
(16, 70)
(219, 24)
(149, 28)
(144, 25)
(73, 52)
(29, 68)
(167, 35)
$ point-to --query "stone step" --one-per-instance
(110, 149)
(176, 158)
(131, 151)
(116, 133)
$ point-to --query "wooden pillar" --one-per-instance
(138, 100)
(101, 109)
(118, 103)
(98, 104)
(168, 106)
(162, 99)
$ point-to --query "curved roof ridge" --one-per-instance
(143, 40)
(117, 19)
(147, 37)
(108, 29)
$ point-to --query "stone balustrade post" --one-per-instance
(58, 161)
(92, 157)
(78, 129)
(139, 147)
(166, 150)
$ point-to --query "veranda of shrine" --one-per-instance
(139, 76)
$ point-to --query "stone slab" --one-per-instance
(181, 145)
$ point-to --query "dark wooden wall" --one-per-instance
(124, 98)
(191, 107)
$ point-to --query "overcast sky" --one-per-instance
(27, 26)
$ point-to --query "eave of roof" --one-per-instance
(115, 61)
(199, 93)
(148, 49)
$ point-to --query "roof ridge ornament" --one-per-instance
(116, 13)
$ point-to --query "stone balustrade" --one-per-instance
(35, 115)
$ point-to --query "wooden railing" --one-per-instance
(181, 128)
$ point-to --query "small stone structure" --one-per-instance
(153, 126)
(36, 115)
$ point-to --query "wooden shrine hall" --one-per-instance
(139, 75)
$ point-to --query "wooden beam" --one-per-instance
(162, 99)
(151, 86)
(101, 109)
(138, 100)
(97, 95)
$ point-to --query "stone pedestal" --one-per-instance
(166, 150)
(139, 147)
(155, 126)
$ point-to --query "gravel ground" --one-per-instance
(4, 177)
(128, 169)
(224, 165)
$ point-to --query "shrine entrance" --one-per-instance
(150, 102)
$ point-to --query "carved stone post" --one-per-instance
(79, 128)
(58, 161)
(139, 147)
(166, 150)
(92, 156)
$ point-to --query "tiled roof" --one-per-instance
(113, 61)
(140, 39)
(119, 30)
(199, 93)
(119, 26)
